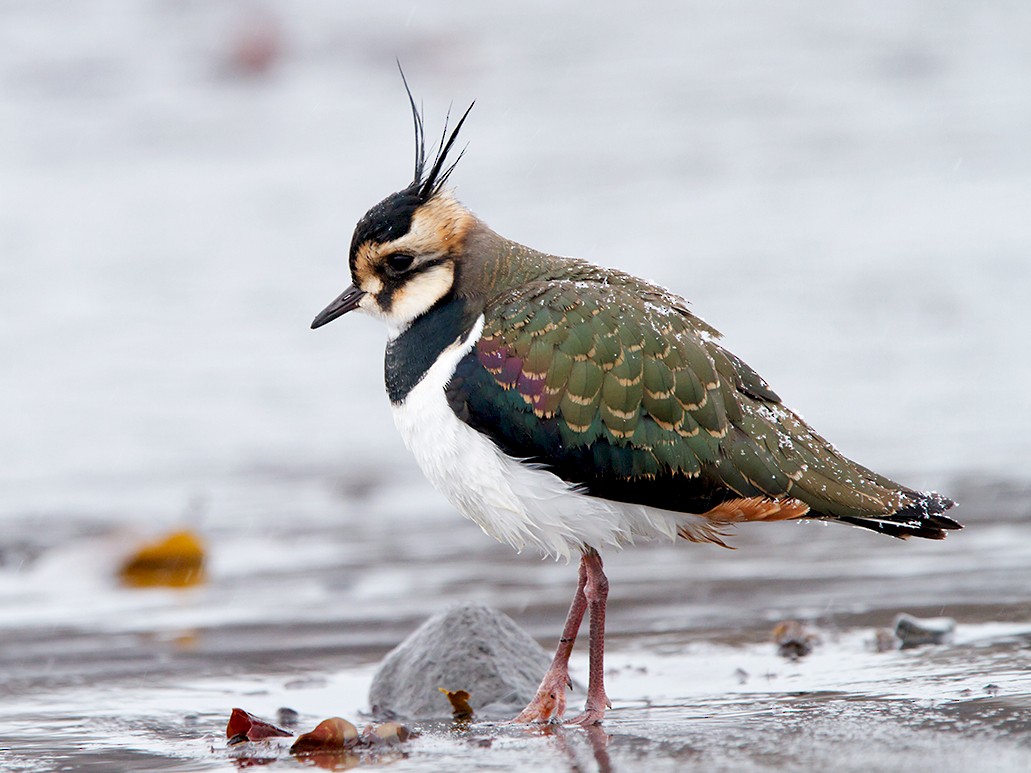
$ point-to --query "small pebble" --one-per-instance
(885, 640)
(390, 733)
(794, 641)
(915, 631)
(287, 717)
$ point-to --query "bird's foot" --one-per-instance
(593, 713)
(549, 704)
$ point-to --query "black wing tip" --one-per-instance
(925, 530)
(920, 516)
(929, 507)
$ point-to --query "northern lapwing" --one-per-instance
(572, 408)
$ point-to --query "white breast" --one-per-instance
(512, 501)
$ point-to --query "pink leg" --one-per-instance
(596, 592)
(550, 700)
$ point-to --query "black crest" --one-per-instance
(426, 185)
(392, 217)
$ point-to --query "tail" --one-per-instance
(921, 514)
(836, 488)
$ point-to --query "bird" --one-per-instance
(572, 409)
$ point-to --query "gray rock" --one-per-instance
(469, 647)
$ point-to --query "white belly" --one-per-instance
(514, 502)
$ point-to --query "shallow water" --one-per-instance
(842, 190)
(108, 676)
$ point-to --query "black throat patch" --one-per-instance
(413, 352)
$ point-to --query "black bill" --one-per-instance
(348, 301)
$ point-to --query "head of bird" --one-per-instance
(405, 252)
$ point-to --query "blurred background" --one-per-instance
(843, 189)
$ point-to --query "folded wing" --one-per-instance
(617, 388)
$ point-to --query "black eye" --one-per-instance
(398, 263)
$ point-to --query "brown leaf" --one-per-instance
(460, 708)
(330, 734)
(334, 733)
(329, 745)
(243, 726)
(177, 561)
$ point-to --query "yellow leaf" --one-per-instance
(177, 561)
